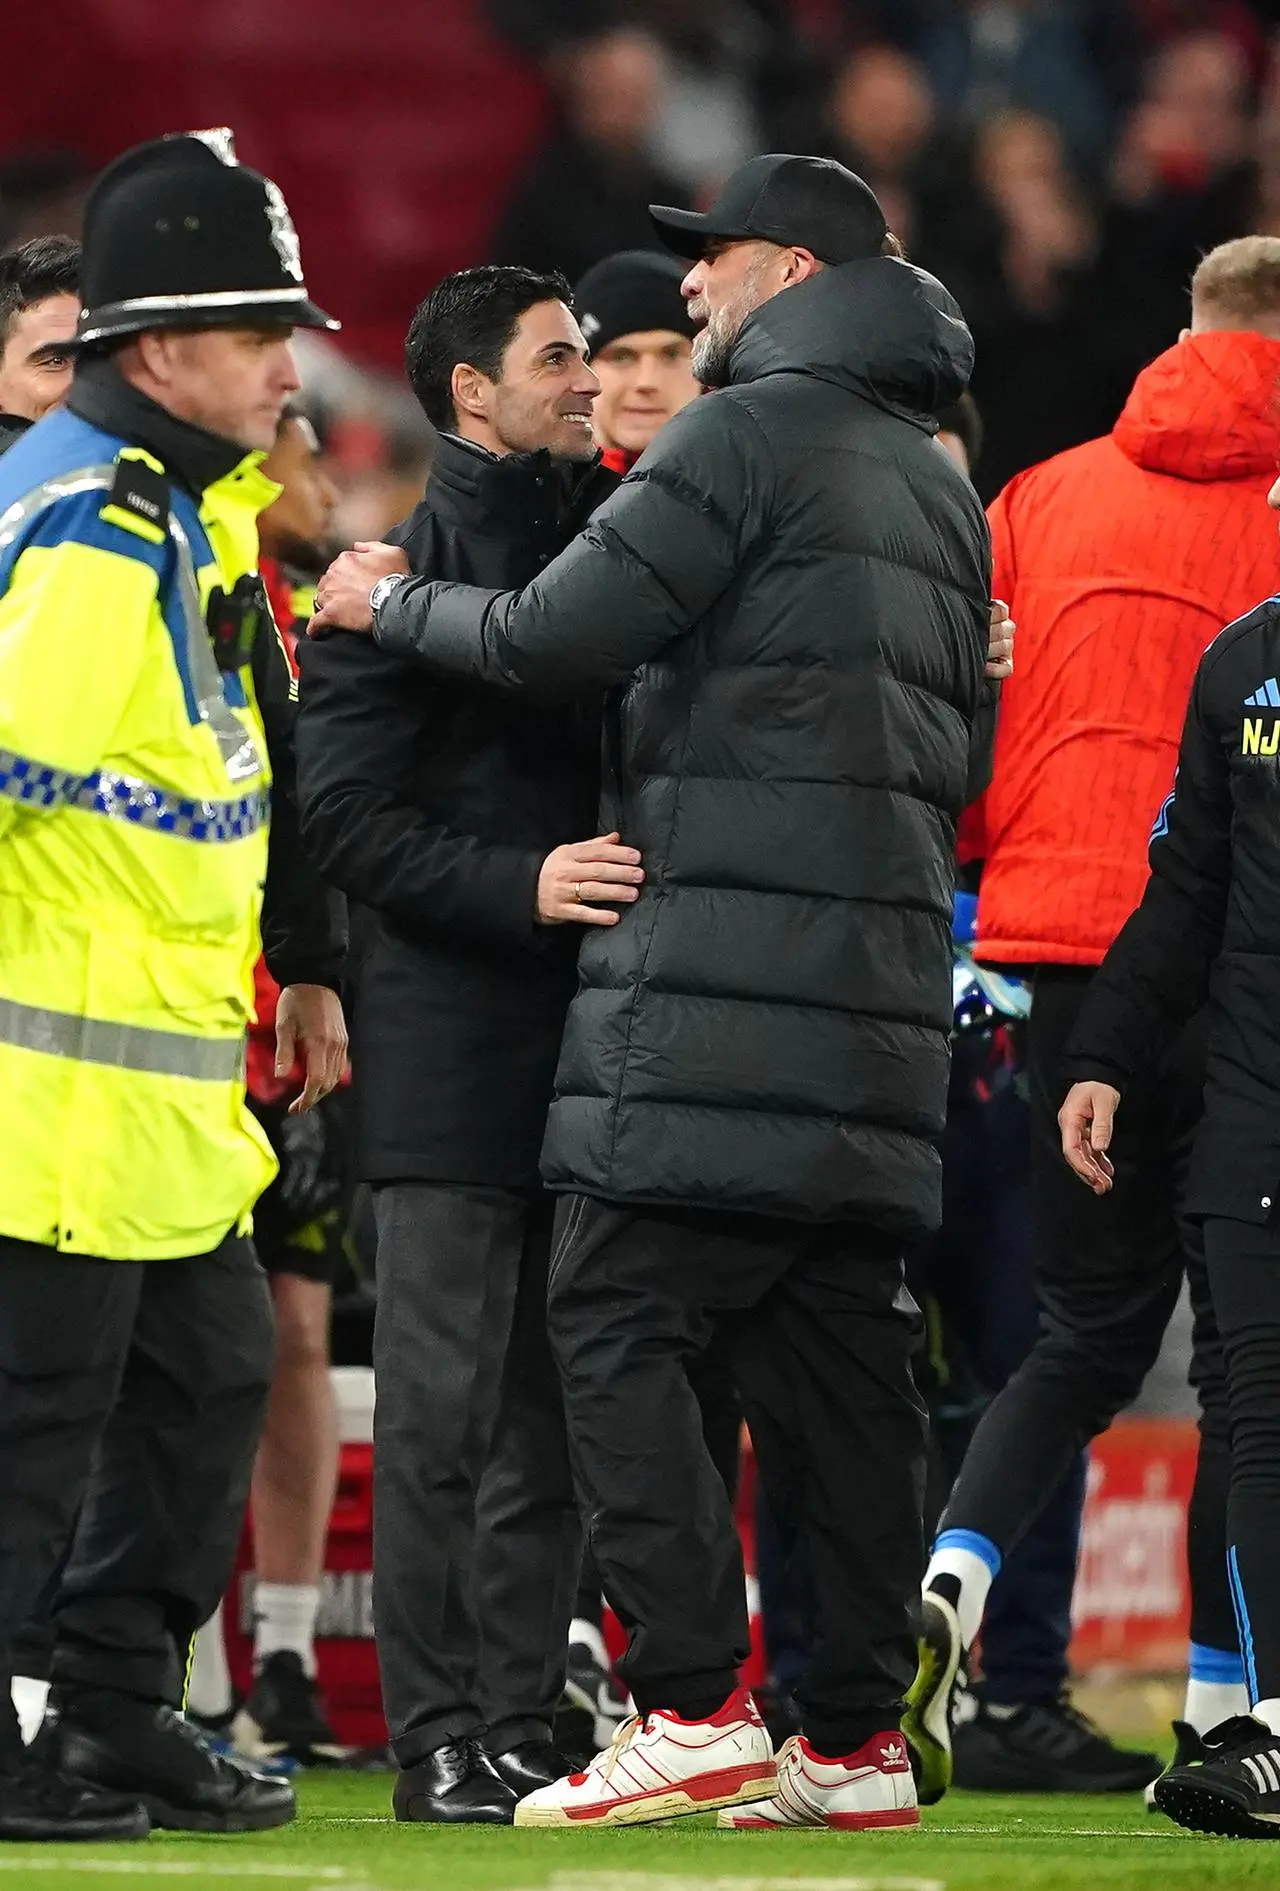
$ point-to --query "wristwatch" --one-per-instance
(382, 591)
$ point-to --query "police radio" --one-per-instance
(236, 619)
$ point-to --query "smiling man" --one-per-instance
(454, 822)
(640, 332)
(39, 307)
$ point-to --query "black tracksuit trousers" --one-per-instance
(1109, 1270)
(821, 1331)
(132, 1395)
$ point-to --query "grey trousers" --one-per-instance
(476, 1539)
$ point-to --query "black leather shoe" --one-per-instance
(455, 1785)
(532, 1764)
(153, 1755)
(38, 1804)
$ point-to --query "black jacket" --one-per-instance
(1208, 928)
(433, 807)
(12, 427)
(303, 924)
(800, 577)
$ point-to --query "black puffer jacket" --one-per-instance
(800, 577)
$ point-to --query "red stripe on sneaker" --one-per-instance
(702, 1786)
(872, 1821)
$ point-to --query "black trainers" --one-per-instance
(38, 1804)
(1043, 1747)
(1234, 1790)
(1188, 1750)
(152, 1754)
(594, 1706)
(284, 1718)
(931, 1698)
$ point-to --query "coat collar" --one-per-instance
(198, 459)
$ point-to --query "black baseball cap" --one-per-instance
(813, 202)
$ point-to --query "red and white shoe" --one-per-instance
(863, 1792)
(660, 1767)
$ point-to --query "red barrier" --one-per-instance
(1131, 1604)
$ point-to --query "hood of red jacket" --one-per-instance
(1208, 408)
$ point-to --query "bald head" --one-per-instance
(1237, 286)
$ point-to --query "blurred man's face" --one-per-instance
(728, 283)
(36, 363)
(295, 528)
(231, 381)
(954, 448)
(645, 379)
(544, 398)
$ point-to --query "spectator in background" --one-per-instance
(1118, 559)
(879, 120)
(39, 307)
(586, 194)
(299, 1226)
(637, 325)
(986, 56)
(1020, 264)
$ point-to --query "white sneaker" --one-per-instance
(865, 1791)
(660, 1767)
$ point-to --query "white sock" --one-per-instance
(284, 1621)
(1268, 1712)
(975, 1563)
(209, 1680)
(1216, 1688)
(1209, 1703)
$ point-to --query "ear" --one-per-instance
(154, 353)
(469, 388)
(1184, 334)
(801, 264)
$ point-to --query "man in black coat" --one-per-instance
(449, 817)
(791, 586)
(1207, 934)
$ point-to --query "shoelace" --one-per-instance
(605, 1761)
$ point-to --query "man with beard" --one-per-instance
(448, 817)
(793, 585)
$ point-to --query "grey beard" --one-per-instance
(710, 358)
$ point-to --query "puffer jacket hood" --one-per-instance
(880, 328)
(1206, 409)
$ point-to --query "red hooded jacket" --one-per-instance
(1121, 560)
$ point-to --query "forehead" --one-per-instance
(51, 320)
(545, 324)
(647, 341)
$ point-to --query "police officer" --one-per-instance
(143, 704)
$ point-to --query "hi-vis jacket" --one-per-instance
(135, 792)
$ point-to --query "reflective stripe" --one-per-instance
(126, 798)
(237, 747)
(19, 515)
(122, 1046)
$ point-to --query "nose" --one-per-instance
(692, 285)
(288, 378)
(587, 381)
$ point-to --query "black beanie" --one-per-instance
(630, 294)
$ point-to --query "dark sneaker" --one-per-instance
(1044, 1747)
(931, 1699)
(37, 1804)
(152, 1754)
(284, 1718)
(594, 1706)
(1234, 1790)
(1188, 1751)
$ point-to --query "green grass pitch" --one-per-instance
(344, 1840)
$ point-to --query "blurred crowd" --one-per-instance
(1061, 164)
